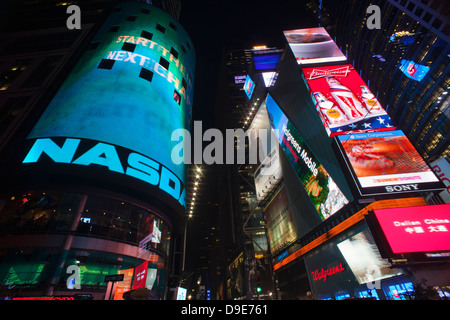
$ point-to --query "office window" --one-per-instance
(10, 75)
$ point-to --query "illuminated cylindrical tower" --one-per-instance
(96, 169)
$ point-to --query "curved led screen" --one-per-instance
(130, 90)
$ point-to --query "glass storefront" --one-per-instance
(107, 236)
(350, 266)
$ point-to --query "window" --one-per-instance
(146, 35)
(146, 74)
(106, 64)
(130, 18)
(164, 63)
(129, 47)
(10, 75)
(160, 28)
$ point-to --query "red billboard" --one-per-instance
(344, 101)
(140, 275)
(416, 229)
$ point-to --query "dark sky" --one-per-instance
(216, 25)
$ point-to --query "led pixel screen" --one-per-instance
(386, 162)
(131, 89)
(313, 45)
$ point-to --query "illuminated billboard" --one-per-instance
(416, 229)
(249, 86)
(413, 70)
(119, 106)
(279, 221)
(325, 195)
(364, 259)
(313, 45)
(386, 162)
(268, 174)
(344, 102)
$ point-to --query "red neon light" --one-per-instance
(416, 229)
(322, 274)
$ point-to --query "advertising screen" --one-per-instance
(442, 168)
(313, 45)
(268, 174)
(279, 222)
(413, 70)
(140, 275)
(129, 91)
(364, 259)
(249, 86)
(386, 162)
(416, 229)
(344, 102)
(125, 285)
(325, 195)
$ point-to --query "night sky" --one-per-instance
(216, 26)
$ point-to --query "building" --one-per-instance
(405, 62)
(92, 190)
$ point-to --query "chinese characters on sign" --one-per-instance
(416, 229)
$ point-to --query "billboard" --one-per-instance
(266, 59)
(268, 174)
(279, 221)
(119, 106)
(140, 275)
(344, 102)
(249, 86)
(416, 229)
(386, 162)
(323, 192)
(313, 45)
(413, 70)
(442, 169)
(364, 259)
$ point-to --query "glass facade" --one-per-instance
(106, 235)
(420, 107)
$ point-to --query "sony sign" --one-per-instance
(137, 166)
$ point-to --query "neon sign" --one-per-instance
(324, 273)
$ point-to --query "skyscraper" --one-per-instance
(92, 190)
